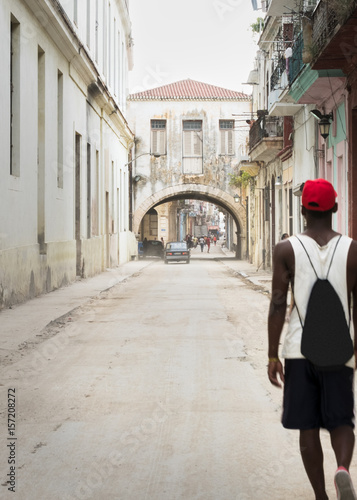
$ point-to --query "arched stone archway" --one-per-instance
(196, 191)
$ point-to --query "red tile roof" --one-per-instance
(189, 90)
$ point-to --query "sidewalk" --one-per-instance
(23, 323)
(246, 270)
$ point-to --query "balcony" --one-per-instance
(277, 73)
(295, 61)
(334, 31)
(266, 138)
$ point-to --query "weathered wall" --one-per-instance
(38, 235)
(163, 177)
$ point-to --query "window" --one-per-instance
(59, 129)
(89, 191)
(192, 147)
(158, 137)
(15, 98)
(41, 126)
(226, 128)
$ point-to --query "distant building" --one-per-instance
(196, 135)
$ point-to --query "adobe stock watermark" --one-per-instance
(44, 353)
(153, 77)
(130, 441)
(225, 7)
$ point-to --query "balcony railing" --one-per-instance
(265, 127)
(324, 21)
(277, 73)
(295, 61)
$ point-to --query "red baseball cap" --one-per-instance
(319, 195)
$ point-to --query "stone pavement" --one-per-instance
(22, 323)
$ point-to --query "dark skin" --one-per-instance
(342, 438)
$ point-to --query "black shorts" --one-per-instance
(315, 399)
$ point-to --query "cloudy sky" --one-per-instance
(206, 40)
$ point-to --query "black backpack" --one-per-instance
(326, 339)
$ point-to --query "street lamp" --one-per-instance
(155, 155)
(324, 122)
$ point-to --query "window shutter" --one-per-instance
(187, 143)
(223, 142)
(192, 143)
(230, 142)
(227, 142)
(197, 143)
(158, 144)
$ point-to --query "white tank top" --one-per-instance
(305, 279)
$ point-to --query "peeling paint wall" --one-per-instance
(166, 172)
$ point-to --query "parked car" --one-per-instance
(177, 251)
(153, 248)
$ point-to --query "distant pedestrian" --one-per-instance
(284, 236)
(214, 240)
(202, 243)
(208, 243)
(145, 247)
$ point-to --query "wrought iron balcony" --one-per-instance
(333, 29)
(266, 138)
(324, 22)
(277, 73)
(295, 61)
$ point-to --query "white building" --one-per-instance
(64, 208)
(199, 132)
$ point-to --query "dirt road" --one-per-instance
(155, 390)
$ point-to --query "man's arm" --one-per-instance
(281, 278)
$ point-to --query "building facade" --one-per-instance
(188, 140)
(64, 141)
(292, 91)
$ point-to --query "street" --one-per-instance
(155, 389)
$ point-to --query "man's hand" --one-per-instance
(275, 369)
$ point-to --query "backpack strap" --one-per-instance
(317, 277)
(329, 267)
(312, 265)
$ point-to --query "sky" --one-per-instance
(206, 40)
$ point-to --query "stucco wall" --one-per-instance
(165, 174)
(35, 260)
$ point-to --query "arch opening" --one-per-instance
(215, 196)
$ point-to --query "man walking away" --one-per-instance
(315, 397)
